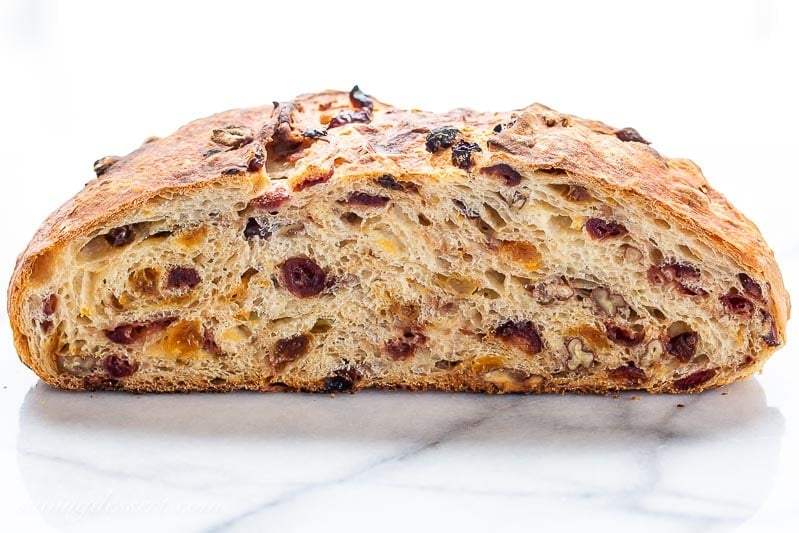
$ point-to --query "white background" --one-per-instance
(711, 81)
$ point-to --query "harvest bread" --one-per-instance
(335, 242)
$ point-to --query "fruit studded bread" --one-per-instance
(335, 243)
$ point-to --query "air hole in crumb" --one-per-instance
(497, 279)
(351, 218)
(656, 313)
(560, 222)
(446, 365)
(493, 215)
(423, 220)
(322, 325)
(655, 256)
(701, 360)
(218, 381)
(689, 253)
(678, 328)
(488, 293)
(559, 188)
(662, 224)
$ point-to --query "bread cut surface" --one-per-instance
(334, 243)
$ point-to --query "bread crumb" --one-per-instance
(725, 393)
(680, 405)
(635, 398)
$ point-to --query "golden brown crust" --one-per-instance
(540, 138)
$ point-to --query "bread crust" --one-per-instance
(588, 151)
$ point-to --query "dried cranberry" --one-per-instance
(462, 154)
(289, 350)
(694, 380)
(623, 335)
(180, 277)
(360, 100)
(400, 349)
(302, 277)
(365, 199)
(337, 384)
(689, 290)
(314, 180)
(126, 333)
(209, 343)
(522, 333)
(630, 135)
(655, 276)
(120, 236)
(314, 134)
(504, 171)
(683, 346)
(257, 160)
(270, 200)
(254, 229)
(119, 367)
(680, 271)
(600, 229)
(750, 286)
(441, 138)
(49, 305)
(735, 304)
(630, 374)
(348, 117)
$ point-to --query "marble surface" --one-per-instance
(720, 93)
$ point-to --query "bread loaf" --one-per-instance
(334, 243)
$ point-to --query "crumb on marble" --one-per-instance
(725, 393)
(635, 398)
(680, 405)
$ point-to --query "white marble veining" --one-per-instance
(219, 463)
(714, 81)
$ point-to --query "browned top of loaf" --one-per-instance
(393, 140)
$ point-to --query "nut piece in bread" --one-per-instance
(334, 242)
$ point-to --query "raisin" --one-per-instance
(95, 382)
(599, 229)
(522, 334)
(234, 171)
(289, 349)
(498, 128)
(623, 336)
(389, 182)
(694, 380)
(750, 286)
(462, 154)
(365, 199)
(102, 165)
(630, 374)
(655, 276)
(302, 277)
(337, 384)
(441, 138)
(360, 99)
(232, 136)
(254, 229)
(771, 338)
(735, 304)
(270, 200)
(314, 134)
(348, 117)
(119, 367)
(120, 236)
(630, 135)
(257, 160)
(689, 290)
(504, 171)
(683, 346)
(180, 277)
(49, 305)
